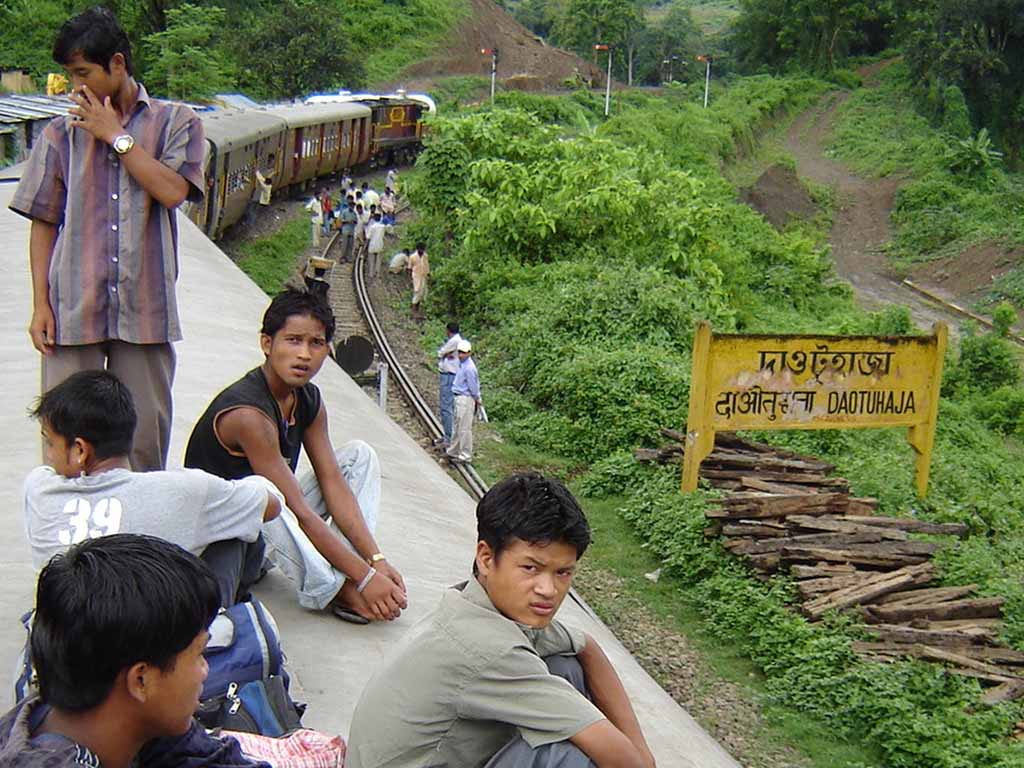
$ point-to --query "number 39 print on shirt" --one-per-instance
(87, 521)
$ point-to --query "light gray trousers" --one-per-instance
(316, 580)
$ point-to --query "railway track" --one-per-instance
(420, 407)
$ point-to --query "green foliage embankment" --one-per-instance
(956, 195)
(579, 258)
(271, 50)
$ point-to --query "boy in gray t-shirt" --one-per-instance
(88, 490)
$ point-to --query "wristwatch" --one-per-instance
(376, 558)
(123, 144)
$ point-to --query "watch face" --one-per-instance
(123, 143)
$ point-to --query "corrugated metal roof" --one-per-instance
(16, 107)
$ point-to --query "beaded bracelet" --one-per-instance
(366, 580)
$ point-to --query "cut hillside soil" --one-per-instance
(968, 277)
(526, 62)
(779, 196)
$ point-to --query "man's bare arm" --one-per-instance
(250, 431)
(42, 327)
(610, 697)
(608, 747)
(340, 501)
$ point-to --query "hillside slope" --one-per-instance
(526, 62)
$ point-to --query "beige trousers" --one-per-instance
(462, 436)
(148, 372)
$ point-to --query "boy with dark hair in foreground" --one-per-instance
(323, 539)
(120, 627)
(87, 488)
(492, 678)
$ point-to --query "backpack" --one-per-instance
(246, 688)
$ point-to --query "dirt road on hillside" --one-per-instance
(860, 226)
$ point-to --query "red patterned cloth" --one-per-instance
(305, 748)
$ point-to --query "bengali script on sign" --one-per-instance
(765, 382)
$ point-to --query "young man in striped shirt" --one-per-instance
(101, 188)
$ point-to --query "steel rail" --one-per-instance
(422, 409)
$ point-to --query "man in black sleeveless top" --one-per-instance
(323, 539)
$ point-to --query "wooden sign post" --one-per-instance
(814, 382)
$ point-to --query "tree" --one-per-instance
(29, 29)
(812, 33)
(676, 36)
(295, 47)
(185, 61)
(611, 22)
(977, 46)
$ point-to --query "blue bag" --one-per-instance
(246, 688)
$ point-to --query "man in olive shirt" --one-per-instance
(491, 678)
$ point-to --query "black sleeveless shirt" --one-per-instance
(205, 451)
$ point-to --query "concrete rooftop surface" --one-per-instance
(427, 525)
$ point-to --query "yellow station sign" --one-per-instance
(813, 382)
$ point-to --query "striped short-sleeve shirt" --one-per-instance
(115, 260)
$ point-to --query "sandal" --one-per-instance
(347, 614)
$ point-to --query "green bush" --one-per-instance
(1002, 410)
(973, 156)
(986, 363)
(845, 78)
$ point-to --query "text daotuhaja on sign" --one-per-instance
(813, 382)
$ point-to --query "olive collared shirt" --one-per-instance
(464, 683)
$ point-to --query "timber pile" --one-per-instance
(787, 512)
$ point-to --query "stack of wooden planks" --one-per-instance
(786, 512)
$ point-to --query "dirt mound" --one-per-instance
(779, 196)
(970, 274)
(525, 60)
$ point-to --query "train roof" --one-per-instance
(301, 115)
(376, 99)
(238, 127)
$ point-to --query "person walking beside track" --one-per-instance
(466, 389)
(316, 218)
(375, 243)
(348, 230)
(419, 265)
(100, 187)
(448, 366)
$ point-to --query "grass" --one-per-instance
(391, 37)
(938, 214)
(616, 549)
(714, 16)
(271, 260)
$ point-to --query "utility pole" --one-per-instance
(608, 83)
(493, 53)
(707, 77)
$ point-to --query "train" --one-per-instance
(293, 144)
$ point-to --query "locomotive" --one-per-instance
(295, 143)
